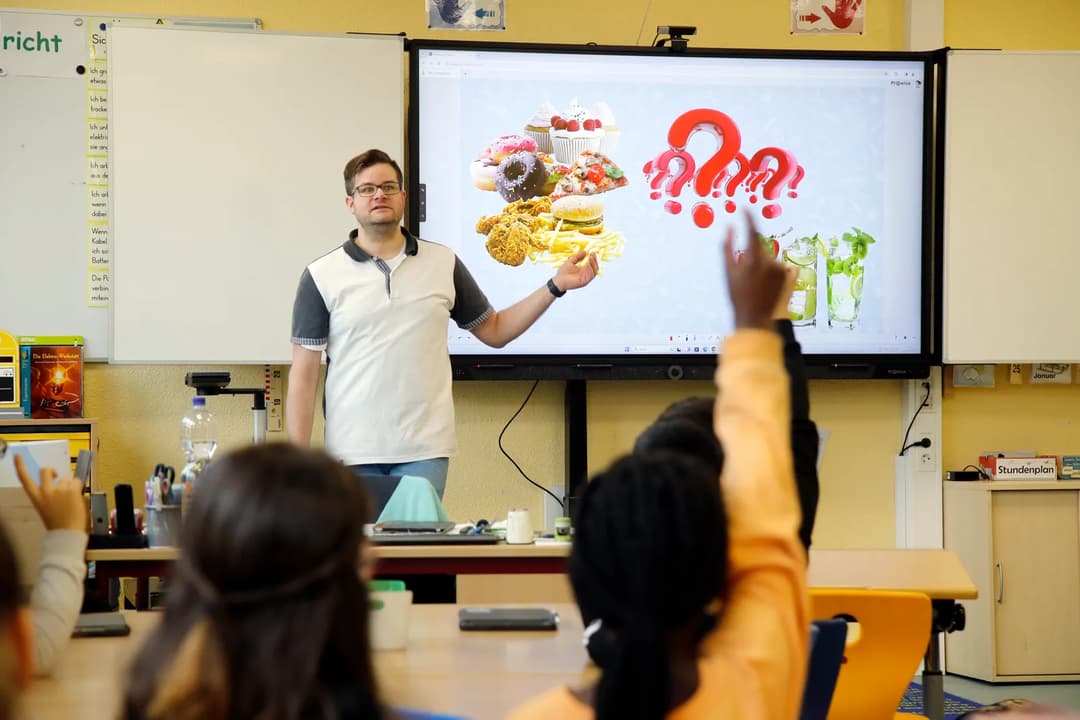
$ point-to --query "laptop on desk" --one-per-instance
(430, 538)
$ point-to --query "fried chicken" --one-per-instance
(508, 243)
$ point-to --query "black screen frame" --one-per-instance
(511, 366)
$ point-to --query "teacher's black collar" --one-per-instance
(357, 253)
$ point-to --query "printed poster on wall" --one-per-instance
(846, 17)
(467, 14)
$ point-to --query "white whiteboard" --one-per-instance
(54, 174)
(227, 154)
(1012, 256)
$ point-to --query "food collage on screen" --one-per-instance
(552, 173)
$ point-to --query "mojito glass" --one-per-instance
(802, 254)
(845, 268)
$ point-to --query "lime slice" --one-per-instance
(856, 287)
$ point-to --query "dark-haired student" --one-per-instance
(698, 411)
(267, 614)
(16, 644)
(700, 629)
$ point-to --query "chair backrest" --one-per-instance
(826, 654)
(881, 657)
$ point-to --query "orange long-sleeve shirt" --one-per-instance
(753, 665)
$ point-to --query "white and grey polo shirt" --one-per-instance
(384, 329)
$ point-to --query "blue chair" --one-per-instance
(827, 639)
(409, 714)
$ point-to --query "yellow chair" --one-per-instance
(882, 652)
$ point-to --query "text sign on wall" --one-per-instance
(39, 45)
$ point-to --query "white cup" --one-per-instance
(518, 527)
(390, 619)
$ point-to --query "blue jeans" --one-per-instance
(433, 469)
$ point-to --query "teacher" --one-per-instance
(378, 306)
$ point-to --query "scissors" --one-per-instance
(166, 476)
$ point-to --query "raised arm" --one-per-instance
(58, 591)
(503, 326)
(804, 433)
(765, 621)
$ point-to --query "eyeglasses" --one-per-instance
(388, 188)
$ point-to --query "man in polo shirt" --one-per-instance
(378, 306)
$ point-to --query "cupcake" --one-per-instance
(575, 132)
(538, 126)
(602, 112)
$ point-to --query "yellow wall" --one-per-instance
(139, 406)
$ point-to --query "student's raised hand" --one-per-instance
(572, 275)
(780, 312)
(755, 281)
(57, 500)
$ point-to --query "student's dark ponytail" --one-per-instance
(649, 555)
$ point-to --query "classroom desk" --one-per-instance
(478, 675)
(500, 559)
(938, 573)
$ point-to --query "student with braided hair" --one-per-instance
(267, 614)
(701, 627)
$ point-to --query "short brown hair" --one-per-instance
(365, 160)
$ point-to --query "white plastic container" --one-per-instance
(390, 619)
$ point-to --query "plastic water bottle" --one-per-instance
(198, 441)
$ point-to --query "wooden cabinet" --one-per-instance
(1020, 542)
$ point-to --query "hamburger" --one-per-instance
(584, 213)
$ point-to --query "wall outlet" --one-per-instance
(917, 392)
(927, 458)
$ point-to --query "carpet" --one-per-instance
(954, 704)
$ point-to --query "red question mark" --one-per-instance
(662, 166)
(736, 179)
(785, 171)
(723, 129)
(726, 174)
(799, 175)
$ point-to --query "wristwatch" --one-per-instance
(554, 289)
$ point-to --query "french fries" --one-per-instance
(562, 244)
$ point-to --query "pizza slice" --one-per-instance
(591, 173)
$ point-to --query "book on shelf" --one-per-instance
(52, 368)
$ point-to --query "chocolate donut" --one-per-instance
(520, 176)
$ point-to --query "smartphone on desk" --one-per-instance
(481, 618)
(101, 625)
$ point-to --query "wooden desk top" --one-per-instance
(938, 573)
(501, 550)
(477, 675)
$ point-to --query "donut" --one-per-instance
(520, 176)
(506, 145)
(483, 174)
